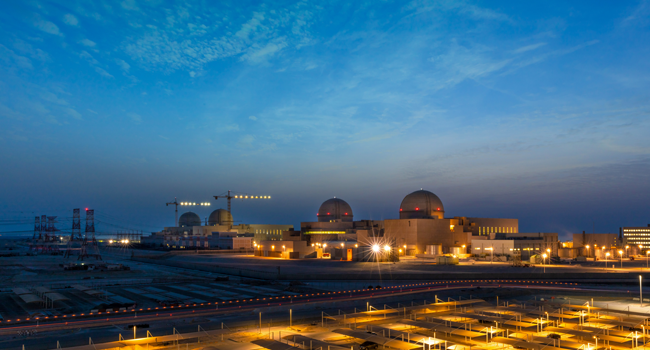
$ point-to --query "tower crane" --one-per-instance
(176, 204)
(230, 196)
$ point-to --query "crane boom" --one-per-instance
(229, 197)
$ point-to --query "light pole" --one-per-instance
(646, 258)
(587, 246)
(626, 253)
(606, 256)
(620, 252)
(544, 261)
(640, 290)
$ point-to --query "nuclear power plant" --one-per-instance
(422, 230)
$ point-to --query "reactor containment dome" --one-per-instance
(335, 209)
(220, 217)
(421, 204)
(189, 219)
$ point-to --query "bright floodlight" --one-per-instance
(126, 241)
(544, 256)
(387, 248)
(375, 248)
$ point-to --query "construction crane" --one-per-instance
(230, 196)
(176, 203)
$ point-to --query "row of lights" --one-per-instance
(317, 294)
(194, 203)
(253, 197)
(417, 209)
(123, 241)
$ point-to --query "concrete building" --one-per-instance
(421, 223)
(285, 249)
(493, 246)
(219, 232)
(636, 235)
(594, 240)
(335, 223)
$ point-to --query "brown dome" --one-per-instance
(334, 209)
(421, 204)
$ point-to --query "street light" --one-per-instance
(587, 246)
(626, 253)
(387, 248)
(375, 248)
(544, 261)
(606, 256)
(640, 290)
(620, 252)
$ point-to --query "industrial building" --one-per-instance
(421, 228)
(636, 235)
(219, 231)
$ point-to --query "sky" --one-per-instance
(512, 109)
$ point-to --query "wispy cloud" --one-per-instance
(639, 15)
(87, 42)
(192, 37)
(125, 66)
(47, 26)
(529, 48)
(135, 118)
(70, 19)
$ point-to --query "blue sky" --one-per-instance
(504, 109)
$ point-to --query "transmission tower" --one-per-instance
(76, 225)
(37, 227)
(90, 249)
(76, 232)
(43, 226)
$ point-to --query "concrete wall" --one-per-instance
(418, 233)
(485, 226)
(595, 239)
(500, 247)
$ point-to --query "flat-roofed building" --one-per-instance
(636, 236)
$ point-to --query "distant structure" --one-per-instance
(90, 249)
(219, 232)
(43, 226)
(422, 230)
(637, 236)
(76, 225)
(176, 204)
(37, 228)
(75, 234)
